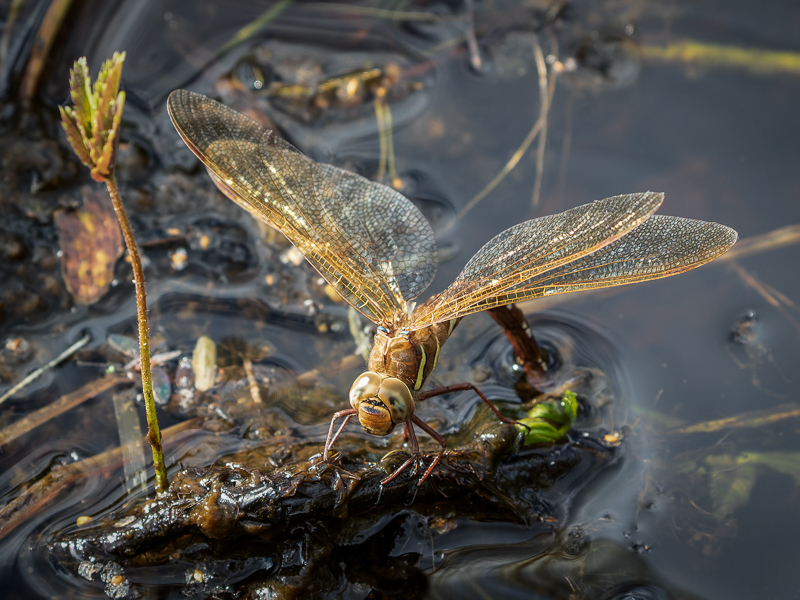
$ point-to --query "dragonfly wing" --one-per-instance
(659, 247)
(368, 241)
(607, 243)
(382, 224)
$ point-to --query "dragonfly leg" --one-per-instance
(530, 354)
(435, 435)
(460, 387)
(409, 432)
(331, 439)
(416, 455)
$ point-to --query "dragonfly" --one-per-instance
(377, 250)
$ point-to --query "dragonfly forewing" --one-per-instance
(369, 242)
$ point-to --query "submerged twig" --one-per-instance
(249, 30)
(252, 383)
(772, 240)
(544, 109)
(472, 42)
(448, 44)
(746, 420)
(382, 141)
(350, 361)
(48, 30)
(53, 363)
(755, 60)
(63, 404)
(130, 440)
(753, 282)
(20, 509)
(8, 27)
(538, 126)
(566, 147)
(776, 239)
(381, 13)
(392, 163)
(383, 115)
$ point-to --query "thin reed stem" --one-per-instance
(153, 433)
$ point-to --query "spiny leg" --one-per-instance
(416, 455)
(435, 435)
(460, 387)
(331, 439)
(409, 432)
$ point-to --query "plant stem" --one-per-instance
(153, 434)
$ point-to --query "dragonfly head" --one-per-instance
(382, 402)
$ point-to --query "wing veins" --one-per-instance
(301, 238)
(356, 263)
(374, 259)
(468, 292)
(698, 242)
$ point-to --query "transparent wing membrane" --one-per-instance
(378, 251)
(606, 243)
(368, 241)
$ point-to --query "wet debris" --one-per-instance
(15, 351)
(315, 86)
(204, 364)
(214, 520)
(91, 243)
(745, 329)
(117, 585)
(746, 345)
(129, 347)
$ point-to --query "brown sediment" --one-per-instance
(232, 502)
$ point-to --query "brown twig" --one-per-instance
(49, 28)
(20, 509)
(63, 404)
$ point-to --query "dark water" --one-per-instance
(721, 142)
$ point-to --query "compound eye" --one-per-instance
(365, 386)
(396, 396)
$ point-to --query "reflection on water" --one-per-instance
(569, 565)
(680, 511)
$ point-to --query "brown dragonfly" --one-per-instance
(376, 249)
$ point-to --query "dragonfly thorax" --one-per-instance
(409, 356)
(382, 402)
